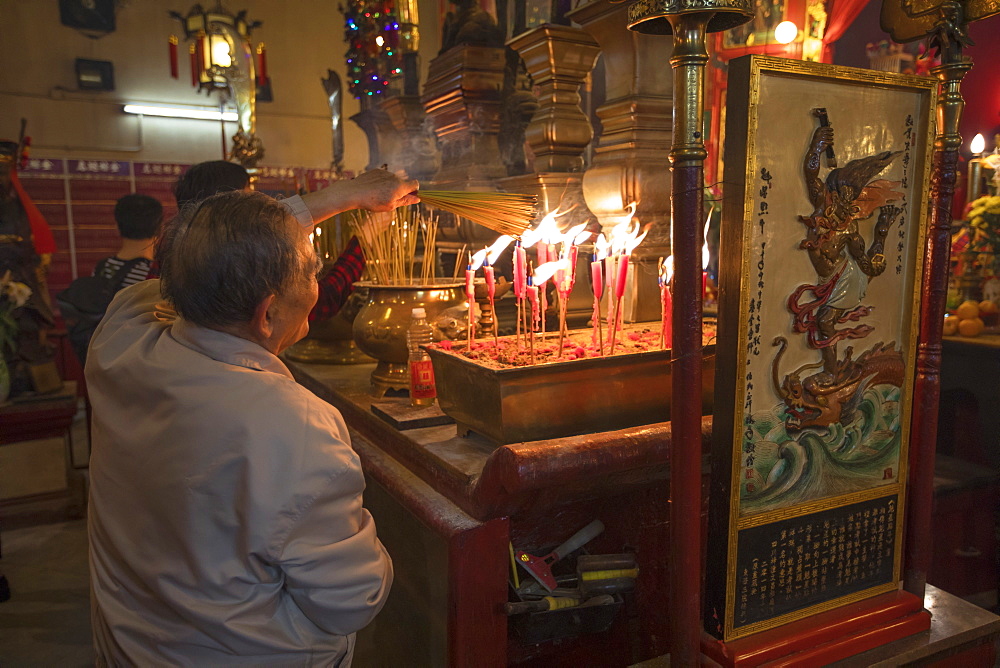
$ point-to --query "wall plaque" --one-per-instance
(827, 171)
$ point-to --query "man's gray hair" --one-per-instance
(221, 257)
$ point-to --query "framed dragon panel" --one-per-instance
(826, 179)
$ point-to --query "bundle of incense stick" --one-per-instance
(392, 252)
(506, 213)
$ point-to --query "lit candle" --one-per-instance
(667, 301)
(532, 291)
(597, 284)
(520, 284)
(975, 179)
(491, 288)
(705, 255)
(470, 294)
(610, 271)
(620, 279)
(627, 242)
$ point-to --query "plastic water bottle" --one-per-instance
(422, 387)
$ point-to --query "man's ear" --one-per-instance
(262, 323)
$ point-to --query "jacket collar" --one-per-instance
(227, 348)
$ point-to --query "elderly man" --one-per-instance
(225, 518)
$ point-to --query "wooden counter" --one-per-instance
(446, 508)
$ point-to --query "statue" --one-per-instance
(26, 247)
(469, 24)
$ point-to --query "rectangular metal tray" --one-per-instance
(560, 398)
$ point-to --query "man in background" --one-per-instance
(138, 218)
(84, 302)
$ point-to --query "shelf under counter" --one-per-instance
(449, 507)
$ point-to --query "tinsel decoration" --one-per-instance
(371, 30)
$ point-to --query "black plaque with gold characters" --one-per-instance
(821, 242)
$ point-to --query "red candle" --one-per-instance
(491, 284)
(542, 251)
(520, 270)
(491, 288)
(666, 271)
(668, 316)
(597, 277)
(622, 276)
(704, 285)
(261, 65)
(609, 273)
(470, 294)
(597, 284)
(172, 47)
(533, 300)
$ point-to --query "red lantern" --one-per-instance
(172, 46)
(193, 51)
(261, 65)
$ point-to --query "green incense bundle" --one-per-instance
(505, 213)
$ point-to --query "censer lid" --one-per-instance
(650, 16)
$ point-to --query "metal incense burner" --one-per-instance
(557, 399)
(381, 324)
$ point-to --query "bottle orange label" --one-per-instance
(422, 380)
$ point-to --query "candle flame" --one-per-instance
(666, 269)
(569, 236)
(601, 246)
(499, 246)
(546, 271)
(705, 253)
(978, 144)
(546, 230)
(632, 241)
(477, 260)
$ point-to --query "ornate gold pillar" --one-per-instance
(462, 97)
(632, 153)
(559, 59)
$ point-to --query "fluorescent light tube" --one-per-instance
(201, 113)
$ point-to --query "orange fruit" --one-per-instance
(950, 325)
(971, 327)
(986, 306)
(967, 310)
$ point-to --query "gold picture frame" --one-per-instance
(827, 170)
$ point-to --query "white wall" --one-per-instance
(304, 39)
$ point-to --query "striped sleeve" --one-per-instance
(336, 286)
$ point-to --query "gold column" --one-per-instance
(632, 152)
(688, 24)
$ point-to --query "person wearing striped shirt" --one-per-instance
(138, 218)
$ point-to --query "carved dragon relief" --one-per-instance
(837, 426)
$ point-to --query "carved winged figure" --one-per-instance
(837, 248)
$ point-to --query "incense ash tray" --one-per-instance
(567, 397)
